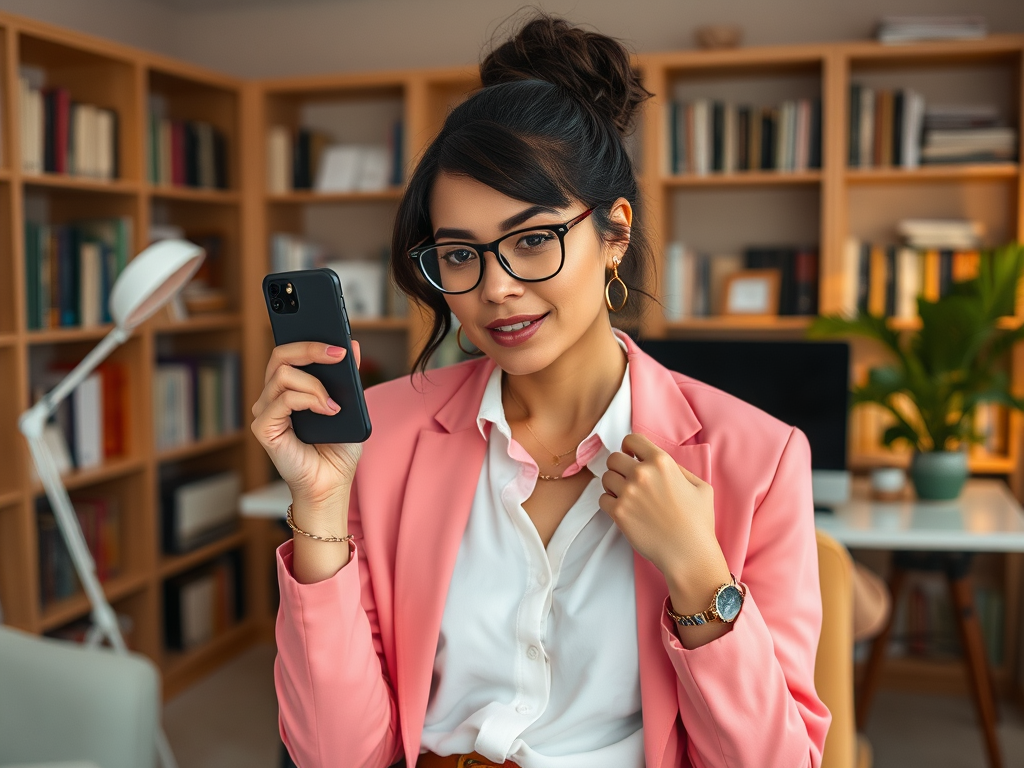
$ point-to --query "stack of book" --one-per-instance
(203, 603)
(196, 398)
(695, 282)
(967, 134)
(71, 268)
(185, 153)
(885, 127)
(91, 425)
(99, 518)
(955, 234)
(708, 136)
(59, 135)
(910, 29)
(309, 159)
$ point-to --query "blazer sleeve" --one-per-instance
(747, 699)
(337, 707)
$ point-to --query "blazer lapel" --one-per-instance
(662, 414)
(439, 494)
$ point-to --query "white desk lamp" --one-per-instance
(149, 281)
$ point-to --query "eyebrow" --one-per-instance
(505, 226)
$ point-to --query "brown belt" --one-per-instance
(472, 760)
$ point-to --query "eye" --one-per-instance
(534, 240)
(456, 256)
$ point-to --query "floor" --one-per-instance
(229, 720)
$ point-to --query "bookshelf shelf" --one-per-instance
(1008, 171)
(8, 339)
(110, 470)
(979, 463)
(60, 181)
(303, 198)
(9, 498)
(76, 606)
(731, 323)
(913, 324)
(751, 178)
(200, 323)
(171, 565)
(69, 335)
(223, 196)
(380, 323)
(200, 447)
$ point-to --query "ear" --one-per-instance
(621, 213)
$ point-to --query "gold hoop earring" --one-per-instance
(458, 340)
(608, 288)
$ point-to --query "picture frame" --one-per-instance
(751, 293)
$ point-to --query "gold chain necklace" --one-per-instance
(556, 458)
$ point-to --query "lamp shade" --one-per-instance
(151, 279)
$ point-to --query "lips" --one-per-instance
(515, 330)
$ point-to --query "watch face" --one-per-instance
(728, 603)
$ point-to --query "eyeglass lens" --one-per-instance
(455, 267)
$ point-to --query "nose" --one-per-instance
(497, 285)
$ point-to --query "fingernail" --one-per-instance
(333, 405)
(335, 351)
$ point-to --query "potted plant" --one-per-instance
(942, 371)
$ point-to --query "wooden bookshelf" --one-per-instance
(818, 206)
(837, 202)
(120, 78)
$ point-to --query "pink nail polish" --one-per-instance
(335, 351)
(334, 406)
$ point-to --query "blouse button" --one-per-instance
(542, 579)
(522, 709)
(532, 652)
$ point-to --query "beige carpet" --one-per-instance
(229, 720)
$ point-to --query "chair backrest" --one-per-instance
(60, 701)
(833, 669)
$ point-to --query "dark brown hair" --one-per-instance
(547, 128)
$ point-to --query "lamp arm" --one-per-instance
(33, 420)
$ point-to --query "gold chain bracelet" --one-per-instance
(291, 524)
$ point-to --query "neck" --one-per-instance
(565, 400)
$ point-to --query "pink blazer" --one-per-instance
(356, 651)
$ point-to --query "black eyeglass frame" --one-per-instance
(560, 231)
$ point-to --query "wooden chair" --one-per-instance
(833, 669)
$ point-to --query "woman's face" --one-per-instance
(559, 311)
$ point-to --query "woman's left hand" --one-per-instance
(665, 511)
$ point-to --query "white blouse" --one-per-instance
(537, 657)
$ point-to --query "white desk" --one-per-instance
(269, 501)
(986, 518)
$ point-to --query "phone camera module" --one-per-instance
(277, 305)
(275, 290)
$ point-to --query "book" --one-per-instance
(202, 603)
(196, 510)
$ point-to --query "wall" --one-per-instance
(142, 24)
(392, 34)
(291, 37)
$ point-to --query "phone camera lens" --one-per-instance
(276, 304)
(275, 289)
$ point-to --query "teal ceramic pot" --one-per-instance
(939, 475)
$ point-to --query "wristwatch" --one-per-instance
(725, 607)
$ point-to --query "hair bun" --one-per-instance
(593, 67)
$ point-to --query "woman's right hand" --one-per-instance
(316, 474)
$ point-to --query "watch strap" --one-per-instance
(708, 615)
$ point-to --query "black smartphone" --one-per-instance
(307, 305)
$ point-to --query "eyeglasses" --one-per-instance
(530, 255)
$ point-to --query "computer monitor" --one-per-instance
(803, 383)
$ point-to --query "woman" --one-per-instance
(527, 564)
